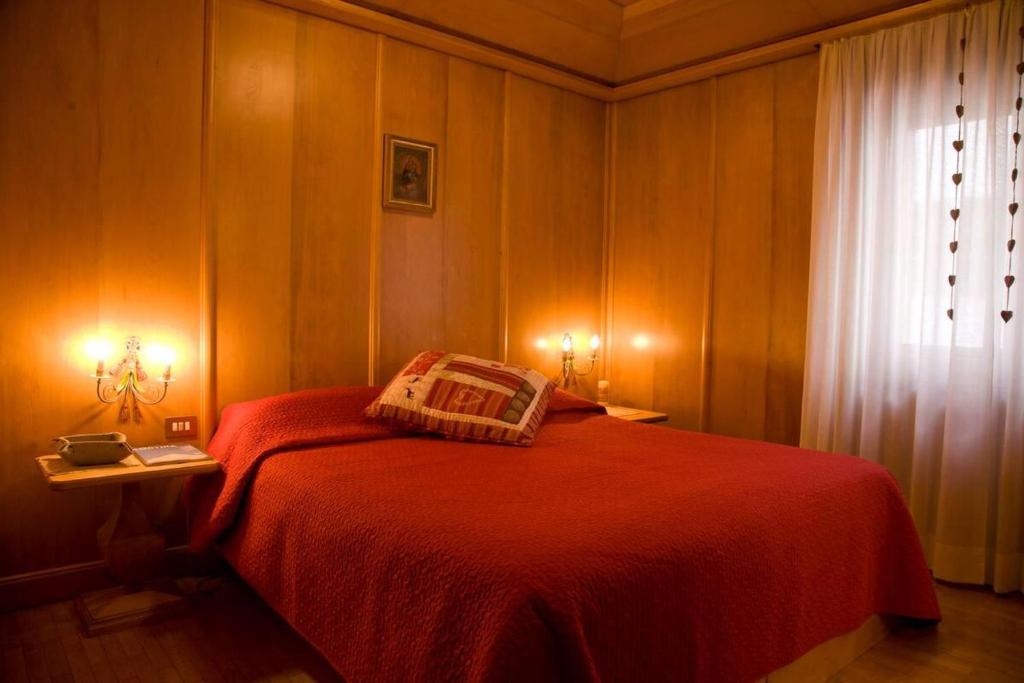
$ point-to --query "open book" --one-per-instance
(167, 455)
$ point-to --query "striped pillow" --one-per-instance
(463, 397)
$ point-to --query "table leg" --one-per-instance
(134, 553)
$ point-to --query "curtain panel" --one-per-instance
(889, 376)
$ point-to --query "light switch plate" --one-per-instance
(186, 427)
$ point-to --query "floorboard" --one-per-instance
(981, 638)
(232, 636)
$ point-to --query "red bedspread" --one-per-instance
(608, 551)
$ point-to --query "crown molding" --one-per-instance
(478, 51)
(449, 43)
(779, 50)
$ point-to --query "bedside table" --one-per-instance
(636, 415)
(131, 546)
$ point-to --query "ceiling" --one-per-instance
(619, 41)
(661, 34)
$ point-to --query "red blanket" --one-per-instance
(252, 431)
(608, 550)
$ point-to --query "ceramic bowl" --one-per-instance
(93, 449)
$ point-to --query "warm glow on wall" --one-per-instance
(641, 342)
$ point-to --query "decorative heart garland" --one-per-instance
(1007, 313)
(958, 177)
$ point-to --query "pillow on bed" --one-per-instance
(463, 397)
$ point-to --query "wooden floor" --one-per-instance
(981, 638)
(229, 636)
(232, 636)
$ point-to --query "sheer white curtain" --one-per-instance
(888, 376)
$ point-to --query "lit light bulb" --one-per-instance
(567, 343)
(541, 343)
(162, 356)
(99, 350)
(595, 341)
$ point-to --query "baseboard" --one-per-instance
(31, 589)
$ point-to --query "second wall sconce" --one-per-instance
(128, 380)
(569, 370)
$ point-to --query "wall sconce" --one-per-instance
(569, 370)
(128, 380)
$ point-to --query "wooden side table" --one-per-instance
(636, 415)
(132, 548)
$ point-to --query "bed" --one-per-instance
(608, 550)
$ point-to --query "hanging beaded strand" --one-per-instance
(1006, 314)
(958, 177)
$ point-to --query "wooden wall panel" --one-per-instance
(333, 198)
(251, 197)
(796, 89)
(150, 201)
(718, 169)
(554, 188)
(472, 242)
(293, 127)
(49, 277)
(440, 273)
(158, 300)
(664, 202)
(100, 114)
(762, 249)
(292, 135)
(741, 314)
(413, 104)
(305, 144)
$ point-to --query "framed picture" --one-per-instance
(410, 177)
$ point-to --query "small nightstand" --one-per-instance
(635, 414)
(131, 546)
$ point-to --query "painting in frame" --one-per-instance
(410, 174)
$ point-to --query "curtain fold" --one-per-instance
(888, 376)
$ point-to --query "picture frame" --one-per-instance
(410, 174)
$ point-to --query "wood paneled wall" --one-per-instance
(679, 220)
(338, 291)
(660, 249)
(292, 153)
(709, 250)
(555, 215)
(100, 148)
